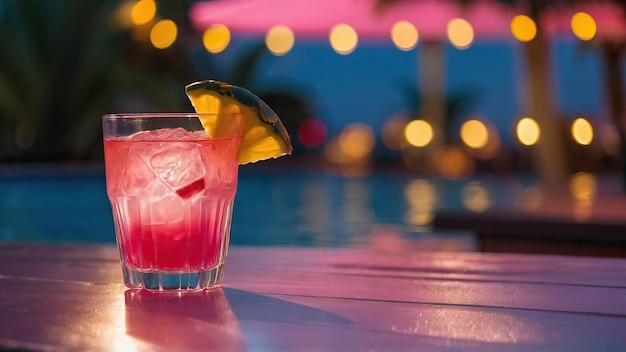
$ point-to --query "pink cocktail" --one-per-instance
(171, 190)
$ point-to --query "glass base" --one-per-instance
(172, 282)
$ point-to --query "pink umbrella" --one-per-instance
(489, 19)
(307, 18)
(312, 20)
(315, 18)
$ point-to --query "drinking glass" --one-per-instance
(171, 189)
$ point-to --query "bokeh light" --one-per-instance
(143, 12)
(279, 40)
(482, 138)
(475, 197)
(336, 161)
(312, 132)
(422, 196)
(357, 140)
(582, 131)
(460, 33)
(453, 163)
(583, 189)
(404, 35)
(584, 26)
(583, 186)
(163, 34)
(216, 38)
(393, 133)
(418, 133)
(474, 134)
(343, 39)
(528, 131)
(523, 28)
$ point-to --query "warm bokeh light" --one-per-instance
(474, 134)
(216, 38)
(523, 28)
(404, 35)
(336, 161)
(482, 138)
(583, 186)
(528, 131)
(475, 197)
(583, 189)
(143, 12)
(393, 133)
(163, 34)
(343, 39)
(582, 131)
(421, 195)
(312, 132)
(357, 140)
(279, 40)
(584, 26)
(460, 33)
(453, 163)
(418, 133)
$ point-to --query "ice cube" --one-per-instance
(167, 210)
(136, 175)
(179, 166)
(182, 134)
(227, 176)
(164, 134)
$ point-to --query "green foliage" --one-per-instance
(65, 63)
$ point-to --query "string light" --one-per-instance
(216, 38)
(279, 40)
(523, 28)
(343, 39)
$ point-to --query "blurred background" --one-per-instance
(529, 91)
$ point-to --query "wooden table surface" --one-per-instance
(71, 298)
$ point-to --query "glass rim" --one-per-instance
(142, 115)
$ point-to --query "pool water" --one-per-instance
(278, 208)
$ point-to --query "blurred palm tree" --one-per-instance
(456, 104)
(65, 63)
(549, 157)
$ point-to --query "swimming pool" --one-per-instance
(68, 203)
